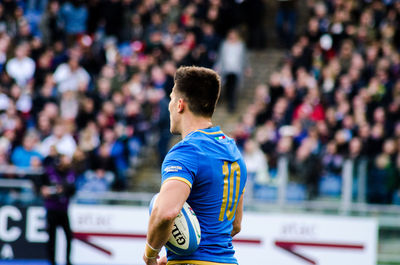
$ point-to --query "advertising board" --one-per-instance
(112, 234)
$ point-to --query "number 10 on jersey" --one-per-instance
(231, 172)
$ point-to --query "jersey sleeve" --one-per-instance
(180, 164)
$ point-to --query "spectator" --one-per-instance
(74, 15)
(25, 156)
(133, 29)
(114, 150)
(256, 163)
(159, 106)
(210, 42)
(50, 24)
(286, 18)
(10, 119)
(69, 106)
(60, 139)
(44, 95)
(381, 174)
(43, 73)
(89, 138)
(305, 168)
(231, 64)
(6, 143)
(310, 109)
(86, 112)
(56, 188)
(97, 180)
(21, 68)
(71, 76)
(4, 45)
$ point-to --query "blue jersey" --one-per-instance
(211, 164)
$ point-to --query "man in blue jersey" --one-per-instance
(205, 169)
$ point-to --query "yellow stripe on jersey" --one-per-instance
(219, 132)
(225, 172)
(197, 262)
(180, 179)
(235, 168)
(229, 213)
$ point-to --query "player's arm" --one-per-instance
(237, 222)
(170, 200)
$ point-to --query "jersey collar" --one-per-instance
(212, 130)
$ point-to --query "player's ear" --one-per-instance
(181, 105)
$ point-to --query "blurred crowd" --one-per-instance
(88, 82)
(334, 98)
(84, 87)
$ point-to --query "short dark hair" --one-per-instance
(200, 87)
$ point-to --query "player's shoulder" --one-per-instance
(187, 144)
(183, 148)
(182, 155)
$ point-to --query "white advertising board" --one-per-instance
(308, 239)
(106, 235)
(116, 235)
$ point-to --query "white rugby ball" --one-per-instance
(186, 235)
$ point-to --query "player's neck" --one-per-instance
(194, 123)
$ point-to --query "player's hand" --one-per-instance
(163, 261)
(150, 261)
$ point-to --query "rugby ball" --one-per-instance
(185, 236)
